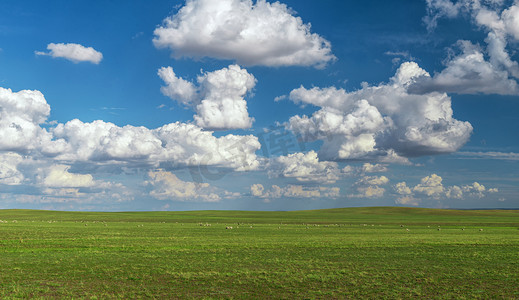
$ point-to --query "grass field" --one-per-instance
(379, 252)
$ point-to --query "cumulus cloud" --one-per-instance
(440, 8)
(477, 70)
(407, 200)
(370, 187)
(73, 52)
(402, 189)
(259, 33)
(257, 190)
(383, 122)
(469, 73)
(21, 114)
(58, 176)
(432, 187)
(373, 168)
(40, 154)
(373, 180)
(167, 186)
(9, 173)
(304, 167)
(218, 99)
(294, 191)
(177, 144)
(364, 169)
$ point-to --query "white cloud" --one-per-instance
(476, 70)
(167, 186)
(73, 193)
(432, 187)
(262, 33)
(257, 189)
(365, 168)
(178, 144)
(490, 155)
(370, 187)
(402, 189)
(304, 167)
(177, 88)
(510, 19)
(440, 8)
(294, 191)
(478, 190)
(187, 144)
(9, 173)
(370, 192)
(21, 114)
(407, 200)
(101, 143)
(454, 192)
(219, 98)
(381, 122)
(373, 180)
(470, 73)
(58, 176)
(373, 168)
(73, 52)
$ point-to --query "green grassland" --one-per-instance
(353, 253)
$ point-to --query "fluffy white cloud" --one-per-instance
(432, 187)
(99, 142)
(454, 192)
(21, 114)
(177, 88)
(440, 8)
(178, 143)
(407, 200)
(294, 191)
(188, 144)
(73, 52)
(370, 187)
(382, 122)
(510, 19)
(402, 189)
(304, 167)
(259, 33)
(373, 180)
(257, 190)
(58, 176)
(489, 71)
(477, 190)
(468, 73)
(219, 98)
(373, 168)
(103, 141)
(370, 192)
(366, 168)
(167, 186)
(9, 173)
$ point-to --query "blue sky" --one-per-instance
(256, 105)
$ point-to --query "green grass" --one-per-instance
(338, 253)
